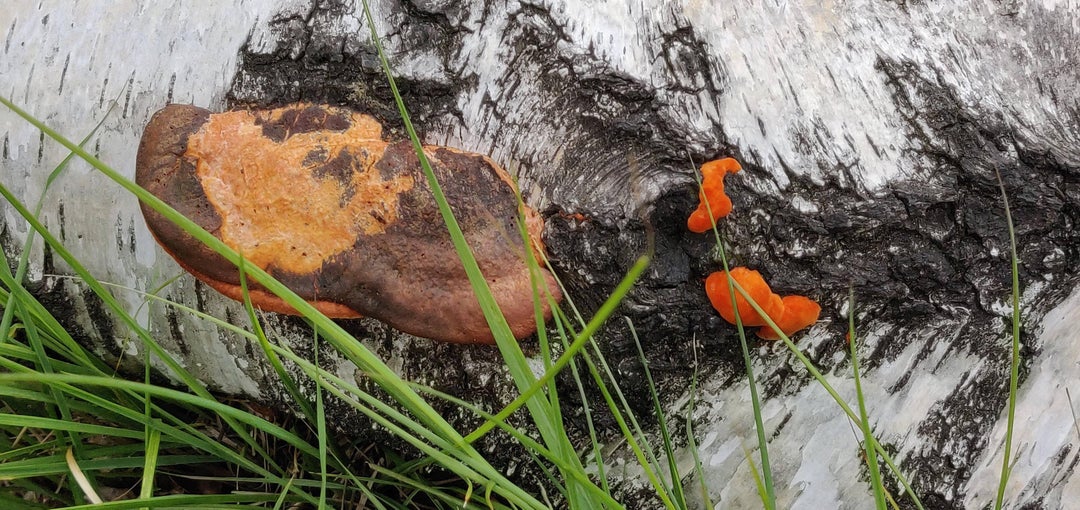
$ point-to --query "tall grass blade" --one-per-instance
(674, 486)
(864, 421)
(691, 443)
(153, 445)
(1014, 361)
(545, 417)
(759, 425)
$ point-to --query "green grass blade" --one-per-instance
(691, 443)
(209, 501)
(864, 421)
(1014, 361)
(153, 444)
(755, 401)
(544, 416)
(606, 309)
(115, 306)
(675, 480)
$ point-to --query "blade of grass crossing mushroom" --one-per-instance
(107, 298)
(544, 416)
(539, 296)
(755, 400)
(339, 338)
(864, 421)
(816, 374)
(1014, 360)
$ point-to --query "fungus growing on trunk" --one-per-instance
(712, 188)
(790, 313)
(716, 287)
(313, 195)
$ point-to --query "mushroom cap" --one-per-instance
(712, 188)
(313, 195)
(716, 287)
(799, 312)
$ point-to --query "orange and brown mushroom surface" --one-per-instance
(314, 195)
(790, 313)
(712, 191)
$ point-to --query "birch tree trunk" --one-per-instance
(870, 133)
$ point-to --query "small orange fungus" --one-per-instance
(799, 312)
(791, 313)
(716, 287)
(712, 189)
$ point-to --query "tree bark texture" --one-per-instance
(870, 133)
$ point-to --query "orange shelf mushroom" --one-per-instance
(712, 188)
(790, 313)
(799, 312)
(316, 197)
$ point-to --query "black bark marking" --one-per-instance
(172, 87)
(63, 74)
(62, 220)
(11, 33)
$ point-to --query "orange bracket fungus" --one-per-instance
(314, 195)
(790, 313)
(712, 188)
